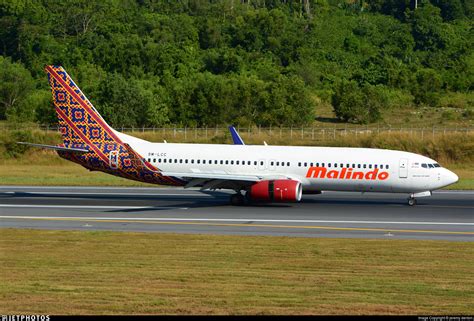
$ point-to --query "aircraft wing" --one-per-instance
(221, 180)
(59, 148)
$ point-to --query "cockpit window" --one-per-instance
(424, 165)
(431, 165)
(437, 165)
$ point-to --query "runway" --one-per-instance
(447, 215)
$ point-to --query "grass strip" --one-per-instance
(77, 272)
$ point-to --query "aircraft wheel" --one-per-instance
(237, 199)
(412, 201)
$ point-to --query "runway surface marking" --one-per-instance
(179, 219)
(116, 194)
(248, 225)
(94, 207)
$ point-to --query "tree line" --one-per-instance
(248, 62)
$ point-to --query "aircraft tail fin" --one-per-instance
(79, 122)
(235, 136)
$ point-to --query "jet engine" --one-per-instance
(282, 190)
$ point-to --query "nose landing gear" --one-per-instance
(411, 201)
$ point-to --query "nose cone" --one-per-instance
(450, 177)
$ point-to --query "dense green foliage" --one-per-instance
(266, 62)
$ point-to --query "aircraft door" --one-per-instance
(113, 159)
(403, 168)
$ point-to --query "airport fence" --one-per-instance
(259, 134)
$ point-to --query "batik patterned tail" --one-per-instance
(82, 127)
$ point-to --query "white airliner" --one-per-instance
(255, 173)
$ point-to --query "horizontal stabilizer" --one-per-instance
(63, 149)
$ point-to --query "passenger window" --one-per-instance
(311, 164)
(261, 163)
(322, 165)
(365, 165)
(231, 162)
(227, 162)
(317, 164)
(358, 165)
(192, 161)
(288, 164)
(186, 161)
(249, 163)
(278, 163)
(375, 166)
(180, 161)
(176, 161)
(299, 164)
(329, 164)
(236, 162)
(305, 164)
(222, 162)
(370, 166)
(386, 166)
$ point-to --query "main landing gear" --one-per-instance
(411, 201)
(237, 199)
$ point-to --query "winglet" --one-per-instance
(235, 136)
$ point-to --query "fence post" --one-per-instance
(185, 133)
(302, 132)
(291, 132)
(312, 133)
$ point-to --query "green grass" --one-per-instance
(75, 272)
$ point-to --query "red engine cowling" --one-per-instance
(282, 190)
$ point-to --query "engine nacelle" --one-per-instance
(282, 190)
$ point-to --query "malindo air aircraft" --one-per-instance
(255, 173)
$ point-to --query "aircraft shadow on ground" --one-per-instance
(217, 199)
